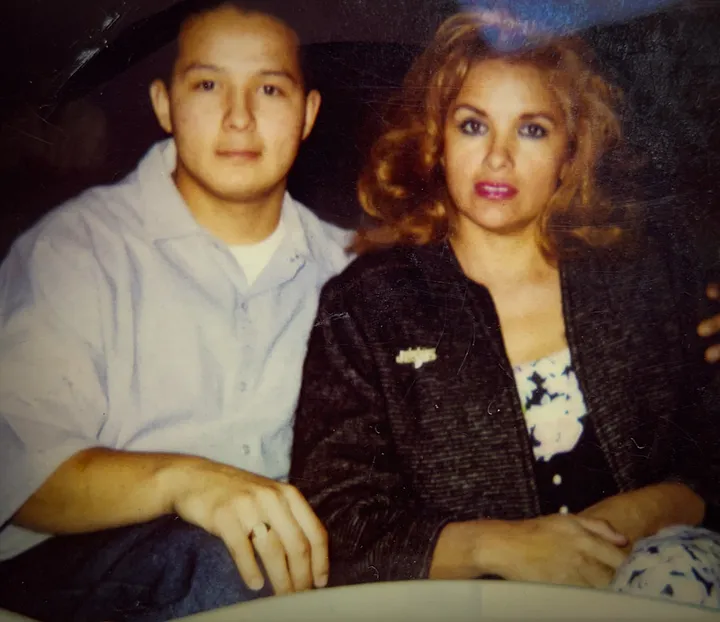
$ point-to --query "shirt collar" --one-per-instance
(296, 233)
(167, 216)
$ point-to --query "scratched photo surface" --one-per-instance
(75, 110)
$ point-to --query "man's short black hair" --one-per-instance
(286, 12)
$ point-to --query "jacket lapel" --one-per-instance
(476, 372)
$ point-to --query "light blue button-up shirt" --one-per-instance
(125, 324)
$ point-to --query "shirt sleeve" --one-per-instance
(344, 462)
(52, 395)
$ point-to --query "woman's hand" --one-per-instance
(643, 512)
(711, 326)
(562, 549)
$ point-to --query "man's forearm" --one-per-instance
(643, 512)
(103, 488)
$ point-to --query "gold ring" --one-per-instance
(259, 531)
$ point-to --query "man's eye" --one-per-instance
(271, 89)
(205, 85)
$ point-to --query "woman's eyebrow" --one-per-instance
(547, 116)
(478, 111)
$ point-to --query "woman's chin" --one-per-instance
(498, 224)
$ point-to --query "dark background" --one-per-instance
(75, 111)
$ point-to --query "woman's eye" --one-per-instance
(472, 127)
(533, 130)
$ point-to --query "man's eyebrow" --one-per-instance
(269, 73)
(200, 67)
(280, 73)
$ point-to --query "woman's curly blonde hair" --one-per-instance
(403, 185)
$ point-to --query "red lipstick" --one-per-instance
(495, 191)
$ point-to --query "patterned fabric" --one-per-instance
(679, 563)
(409, 415)
(553, 404)
(571, 471)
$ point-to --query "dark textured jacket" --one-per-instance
(387, 453)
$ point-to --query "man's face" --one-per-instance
(236, 107)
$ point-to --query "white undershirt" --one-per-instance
(254, 257)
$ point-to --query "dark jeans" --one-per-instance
(150, 572)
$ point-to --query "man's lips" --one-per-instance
(238, 154)
(495, 191)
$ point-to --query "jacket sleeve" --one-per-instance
(343, 456)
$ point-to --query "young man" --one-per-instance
(151, 341)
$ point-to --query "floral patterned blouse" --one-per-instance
(571, 469)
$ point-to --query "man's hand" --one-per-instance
(103, 488)
(562, 549)
(252, 514)
(711, 326)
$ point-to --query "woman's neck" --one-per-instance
(502, 260)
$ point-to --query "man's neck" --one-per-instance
(236, 222)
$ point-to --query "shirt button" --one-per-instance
(557, 479)
(244, 306)
(246, 450)
(564, 509)
(243, 387)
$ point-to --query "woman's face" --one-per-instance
(505, 150)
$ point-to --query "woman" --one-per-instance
(506, 384)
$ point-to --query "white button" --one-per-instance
(564, 509)
(244, 306)
(557, 479)
(242, 386)
(246, 449)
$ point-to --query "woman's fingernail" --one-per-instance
(322, 581)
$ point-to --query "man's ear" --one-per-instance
(160, 99)
(312, 106)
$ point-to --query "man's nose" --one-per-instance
(239, 113)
